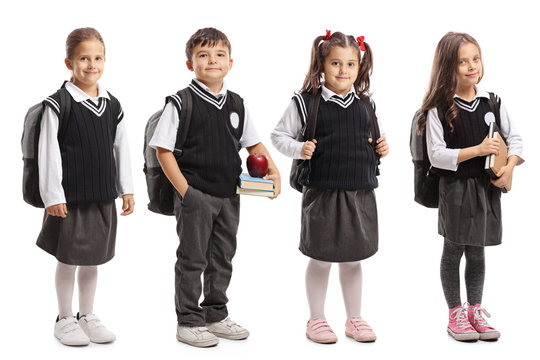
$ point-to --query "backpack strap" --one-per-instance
(375, 131)
(238, 104)
(117, 113)
(313, 109)
(495, 108)
(65, 110)
(185, 119)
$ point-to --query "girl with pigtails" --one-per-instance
(339, 211)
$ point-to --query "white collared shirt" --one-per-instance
(50, 159)
(289, 127)
(167, 127)
(444, 158)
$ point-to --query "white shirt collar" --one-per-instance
(327, 93)
(79, 95)
(221, 93)
(479, 93)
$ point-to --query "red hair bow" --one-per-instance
(328, 34)
(360, 40)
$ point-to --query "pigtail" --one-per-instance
(362, 82)
(312, 82)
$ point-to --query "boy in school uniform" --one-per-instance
(206, 205)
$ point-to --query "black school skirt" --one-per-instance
(87, 236)
(470, 211)
(339, 225)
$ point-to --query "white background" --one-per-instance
(271, 42)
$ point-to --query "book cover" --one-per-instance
(252, 192)
(254, 183)
(494, 163)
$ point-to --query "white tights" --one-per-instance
(350, 277)
(65, 282)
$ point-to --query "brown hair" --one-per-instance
(77, 36)
(207, 36)
(321, 48)
(443, 81)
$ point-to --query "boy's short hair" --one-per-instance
(207, 36)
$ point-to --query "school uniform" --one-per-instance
(339, 211)
(469, 205)
(86, 169)
(208, 215)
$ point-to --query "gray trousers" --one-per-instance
(206, 227)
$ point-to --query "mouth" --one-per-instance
(472, 75)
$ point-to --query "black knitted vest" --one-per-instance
(470, 129)
(210, 160)
(343, 159)
(86, 148)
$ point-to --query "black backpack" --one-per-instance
(30, 140)
(300, 169)
(160, 189)
(426, 180)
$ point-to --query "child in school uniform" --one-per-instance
(469, 201)
(339, 212)
(80, 175)
(205, 177)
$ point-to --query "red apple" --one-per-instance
(257, 165)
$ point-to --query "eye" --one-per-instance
(99, 58)
(335, 63)
(461, 62)
(202, 55)
(84, 58)
(352, 64)
(476, 59)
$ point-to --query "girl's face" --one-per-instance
(87, 63)
(469, 69)
(340, 69)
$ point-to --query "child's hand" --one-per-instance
(382, 146)
(307, 149)
(273, 174)
(57, 210)
(504, 177)
(128, 204)
(488, 146)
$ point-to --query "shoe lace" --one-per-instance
(460, 317)
(478, 318)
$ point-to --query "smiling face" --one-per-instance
(210, 64)
(340, 69)
(469, 70)
(87, 64)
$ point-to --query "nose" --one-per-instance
(343, 69)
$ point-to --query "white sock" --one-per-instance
(65, 281)
(87, 281)
(317, 274)
(350, 277)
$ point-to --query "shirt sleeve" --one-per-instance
(510, 132)
(287, 131)
(124, 181)
(50, 160)
(249, 136)
(439, 155)
(166, 129)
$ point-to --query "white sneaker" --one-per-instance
(68, 331)
(95, 330)
(198, 336)
(228, 329)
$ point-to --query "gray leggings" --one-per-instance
(474, 273)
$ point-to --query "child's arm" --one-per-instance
(285, 134)
(124, 182)
(505, 174)
(172, 171)
(382, 146)
(486, 147)
(273, 172)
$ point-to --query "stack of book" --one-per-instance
(248, 185)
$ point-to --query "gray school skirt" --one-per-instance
(87, 236)
(339, 225)
(470, 211)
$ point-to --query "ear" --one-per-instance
(230, 63)
(189, 65)
(68, 63)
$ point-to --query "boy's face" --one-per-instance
(210, 64)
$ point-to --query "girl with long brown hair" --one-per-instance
(339, 212)
(469, 201)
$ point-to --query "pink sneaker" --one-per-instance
(480, 324)
(320, 332)
(359, 330)
(459, 326)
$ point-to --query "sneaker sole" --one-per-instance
(491, 335)
(205, 343)
(464, 337)
(103, 341)
(325, 341)
(75, 343)
(237, 336)
(364, 339)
